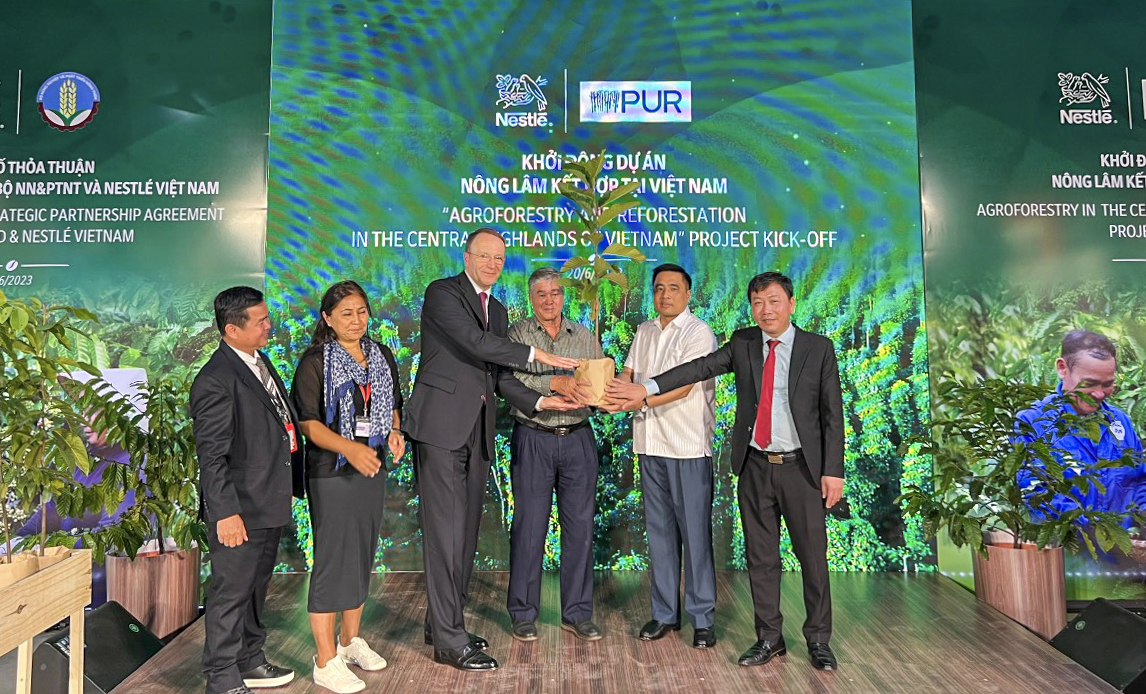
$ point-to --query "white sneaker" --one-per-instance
(337, 677)
(362, 655)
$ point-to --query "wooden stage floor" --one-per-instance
(892, 633)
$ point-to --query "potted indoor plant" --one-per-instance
(990, 471)
(152, 549)
(595, 210)
(43, 418)
(47, 418)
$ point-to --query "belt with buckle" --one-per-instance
(781, 457)
(560, 431)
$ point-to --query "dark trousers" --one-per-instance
(677, 496)
(451, 490)
(768, 491)
(235, 633)
(541, 462)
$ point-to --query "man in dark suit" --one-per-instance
(787, 448)
(466, 359)
(246, 435)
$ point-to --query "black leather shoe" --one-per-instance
(239, 690)
(524, 631)
(469, 658)
(761, 652)
(477, 641)
(654, 630)
(267, 675)
(704, 637)
(585, 629)
(822, 656)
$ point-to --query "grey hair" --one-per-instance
(541, 274)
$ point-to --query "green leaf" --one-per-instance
(19, 319)
(579, 170)
(595, 164)
(79, 452)
(617, 193)
(624, 251)
(610, 213)
(617, 279)
(574, 262)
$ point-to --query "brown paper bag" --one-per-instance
(17, 567)
(54, 555)
(598, 372)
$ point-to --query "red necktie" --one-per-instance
(485, 312)
(764, 411)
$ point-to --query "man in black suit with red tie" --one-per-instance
(466, 361)
(246, 436)
(787, 448)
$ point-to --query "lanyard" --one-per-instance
(365, 390)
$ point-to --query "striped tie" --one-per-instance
(272, 390)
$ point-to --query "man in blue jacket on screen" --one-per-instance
(1087, 365)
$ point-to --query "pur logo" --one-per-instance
(642, 102)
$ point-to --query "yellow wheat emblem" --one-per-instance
(68, 99)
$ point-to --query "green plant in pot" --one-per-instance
(595, 210)
(991, 469)
(161, 585)
(162, 474)
(46, 418)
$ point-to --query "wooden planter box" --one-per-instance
(46, 597)
(161, 591)
(1028, 585)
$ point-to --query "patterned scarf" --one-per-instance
(342, 376)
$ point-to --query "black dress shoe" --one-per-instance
(267, 675)
(822, 656)
(654, 630)
(704, 637)
(524, 631)
(239, 690)
(762, 651)
(585, 629)
(469, 658)
(477, 641)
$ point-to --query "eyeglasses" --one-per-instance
(485, 258)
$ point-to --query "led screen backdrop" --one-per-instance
(765, 136)
(1032, 158)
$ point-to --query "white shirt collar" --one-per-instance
(248, 359)
(475, 285)
(786, 338)
(678, 321)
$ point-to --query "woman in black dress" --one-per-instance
(349, 403)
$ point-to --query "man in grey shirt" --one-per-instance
(551, 449)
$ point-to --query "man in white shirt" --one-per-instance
(672, 437)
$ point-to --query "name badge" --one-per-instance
(1118, 430)
(362, 427)
(292, 437)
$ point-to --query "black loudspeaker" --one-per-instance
(116, 644)
(1110, 642)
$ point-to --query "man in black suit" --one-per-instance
(246, 435)
(450, 416)
(787, 448)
